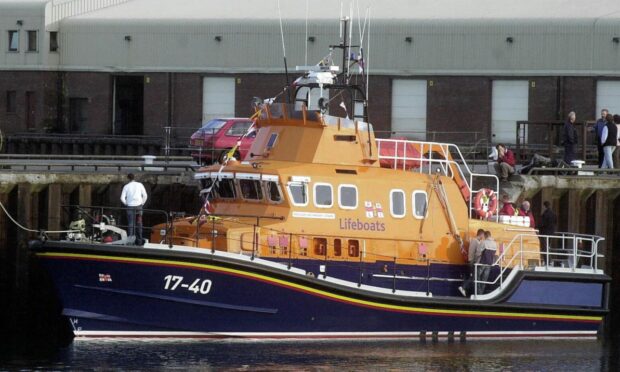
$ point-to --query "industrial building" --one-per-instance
(118, 67)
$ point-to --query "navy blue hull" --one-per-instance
(113, 293)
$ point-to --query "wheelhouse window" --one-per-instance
(419, 201)
(298, 191)
(225, 188)
(251, 189)
(272, 141)
(347, 196)
(32, 41)
(323, 195)
(273, 191)
(397, 203)
(239, 129)
(13, 41)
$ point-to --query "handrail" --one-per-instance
(571, 251)
(457, 169)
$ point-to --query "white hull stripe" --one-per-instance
(326, 335)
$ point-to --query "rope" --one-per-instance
(40, 232)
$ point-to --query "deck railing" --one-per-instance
(434, 157)
(571, 252)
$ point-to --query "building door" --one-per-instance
(607, 96)
(31, 105)
(218, 98)
(77, 115)
(409, 108)
(128, 105)
(509, 104)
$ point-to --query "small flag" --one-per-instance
(272, 240)
(283, 241)
(303, 242)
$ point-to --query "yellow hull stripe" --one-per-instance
(322, 293)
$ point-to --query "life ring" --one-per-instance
(485, 203)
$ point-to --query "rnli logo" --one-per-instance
(373, 211)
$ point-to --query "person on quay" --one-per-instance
(609, 139)
(505, 166)
(617, 152)
(473, 257)
(134, 197)
(487, 259)
(569, 138)
(598, 131)
(525, 211)
(547, 226)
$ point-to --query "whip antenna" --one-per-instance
(288, 96)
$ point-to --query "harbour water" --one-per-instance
(411, 355)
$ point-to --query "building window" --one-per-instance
(347, 196)
(11, 97)
(13, 41)
(32, 41)
(420, 202)
(323, 195)
(397, 203)
(53, 41)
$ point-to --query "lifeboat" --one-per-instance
(325, 231)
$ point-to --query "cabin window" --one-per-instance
(419, 204)
(354, 248)
(225, 188)
(347, 196)
(251, 189)
(337, 247)
(205, 183)
(272, 141)
(53, 41)
(273, 191)
(298, 191)
(320, 246)
(323, 195)
(397, 203)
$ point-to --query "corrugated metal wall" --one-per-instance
(570, 47)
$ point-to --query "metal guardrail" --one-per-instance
(568, 249)
(573, 172)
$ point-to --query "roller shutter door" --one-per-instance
(509, 104)
(409, 108)
(218, 98)
(607, 96)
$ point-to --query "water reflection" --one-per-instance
(474, 355)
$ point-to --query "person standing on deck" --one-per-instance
(548, 226)
(473, 257)
(609, 139)
(508, 209)
(134, 197)
(487, 259)
(598, 131)
(525, 211)
(569, 138)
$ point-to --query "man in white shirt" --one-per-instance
(133, 197)
(473, 257)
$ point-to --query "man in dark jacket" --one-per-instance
(569, 138)
(547, 226)
(598, 132)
